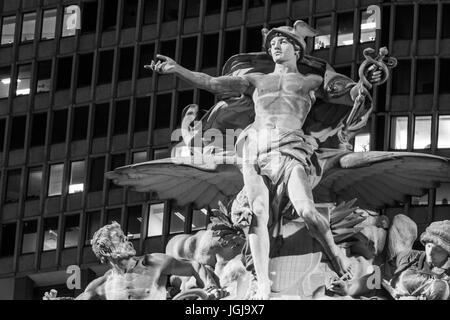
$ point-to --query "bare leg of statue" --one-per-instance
(300, 194)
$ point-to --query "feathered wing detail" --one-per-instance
(178, 179)
(378, 179)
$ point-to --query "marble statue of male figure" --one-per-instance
(282, 101)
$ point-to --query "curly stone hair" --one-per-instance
(101, 241)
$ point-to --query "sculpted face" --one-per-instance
(111, 242)
(435, 254)
(282, 50)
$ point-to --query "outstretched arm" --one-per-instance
(204, 275)
(224, 84)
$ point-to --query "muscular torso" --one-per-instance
(283, 100)
(143, 282)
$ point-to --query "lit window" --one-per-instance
(155, 219)
(422, 132)
(399, 133)
(8, 240)
(323, 26)
(55, 180)
(23, 79)
(71, 231)
(420, 201)
(368, 27)
(92, 225)
(29, 237)
(443, 194)
(5, 81)
(139, 157)
(28, 26)
(444, 132)
(44, 76)
(199, 219)
(8, 29)
(68, 27)
(345, 29)
(362, 142)
(50, 234)
(34, 183)
(76, 177)
(13, 190)
(134, 221)
(48, 24)
(177, 220)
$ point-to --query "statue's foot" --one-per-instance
(262, 291)
(343, 266)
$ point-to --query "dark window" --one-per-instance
(379, 139)
(105, 69)
(97, 172)
(234, 5)
(146, 55)
(345, 29)
(254, 39)
(71, 231)
(168, 48)
(29, 237)
(177, 219)
(109, 14)
(8, 29)
(191, 8)
(425, 76)
(23, 79)
(101, 116)
(427, 21)
(85, 67)
(255, 3)
(345, 70)
(161, 153)
(134, 221)
(184, 99)
(150, 11)
(48, 24)
(89, 17)
(163, 106)
(444, 84)
(59, 126)
(189, 53)
(38, 129)
(114, 215)
(34, 183)
(2, 133)
(8, 242)
(129, 14)
(404, 17)
(445, 21)
(210, 49)
(140, 156)
(55, 181)
(5, 81)
(117, 160)
(44, 76)
(64, 77)
(232, 41)
(206, 99)
(199, 219)
(28, 26)
(213, 7)
(170, 10)
(13, 189)
(80, 123)
(385, 23)
(92, 225)
(401, 77)
(122, 112)
(381, 101)
(18, 132)
(141, 114)
(50, 234)
(126, 63)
